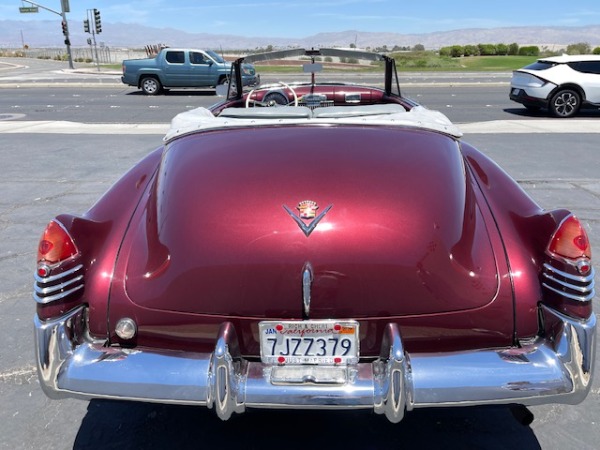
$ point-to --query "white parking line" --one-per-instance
(65, 127)
(532, 126)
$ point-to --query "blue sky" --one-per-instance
(300, 18)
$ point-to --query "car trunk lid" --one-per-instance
(396, 228)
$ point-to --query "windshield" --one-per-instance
(319, 66)
(215, 56)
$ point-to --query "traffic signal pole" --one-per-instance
(64, 4)
(67, 38)
(93, 25)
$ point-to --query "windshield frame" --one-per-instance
(391, 80)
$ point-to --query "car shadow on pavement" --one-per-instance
(125, 425)
(180, 93)
(543, 114)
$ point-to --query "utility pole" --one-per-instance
(64, 4)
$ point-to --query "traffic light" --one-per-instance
(64, 28)
(97, 21)
(86, 25)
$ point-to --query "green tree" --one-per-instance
(419, 48)
(471, 50)
(513, 49)
(532, 50)
(456, 51)
(596, 51)
(502, 49)
(445, 51)
(487, 49)
(581, 48)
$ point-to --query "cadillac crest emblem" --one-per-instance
(307, 211)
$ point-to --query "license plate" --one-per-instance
(324, 342)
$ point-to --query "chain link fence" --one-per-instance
(102, 54)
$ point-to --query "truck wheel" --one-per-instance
(150, 86)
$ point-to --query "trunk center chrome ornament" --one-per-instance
(308, 210)
(307, 279)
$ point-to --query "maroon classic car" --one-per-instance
(319, 246)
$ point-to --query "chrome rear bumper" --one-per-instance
(555, 368)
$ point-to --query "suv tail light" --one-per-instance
(568, 275)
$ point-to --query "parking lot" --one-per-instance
(50, 168)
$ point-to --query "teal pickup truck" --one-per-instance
(181, 68)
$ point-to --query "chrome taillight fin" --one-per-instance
(59, 273)
(568, 274)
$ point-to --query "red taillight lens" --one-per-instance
(55, 245)
(570, 240)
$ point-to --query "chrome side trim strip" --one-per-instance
(556, 368)
(570, 286)
(51, 278)
(579, 298)
(52, 298)
(583, 289)
(579, 279)
(56, 287)
(68, 284)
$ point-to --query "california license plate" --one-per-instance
(323, 342)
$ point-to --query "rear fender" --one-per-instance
(99, 233)
(572, 86)
(150, 73)
(525, 229)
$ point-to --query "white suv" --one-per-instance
(563, 84)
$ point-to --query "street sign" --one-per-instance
(28, 9)
(65, 5)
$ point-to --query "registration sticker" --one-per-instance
(322, 342)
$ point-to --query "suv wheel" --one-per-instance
(565, 103)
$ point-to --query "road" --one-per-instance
(49, 166)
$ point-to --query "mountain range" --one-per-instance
(46, 33)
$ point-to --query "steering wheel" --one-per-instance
(281, 83)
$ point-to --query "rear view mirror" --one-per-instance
(312, 68)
